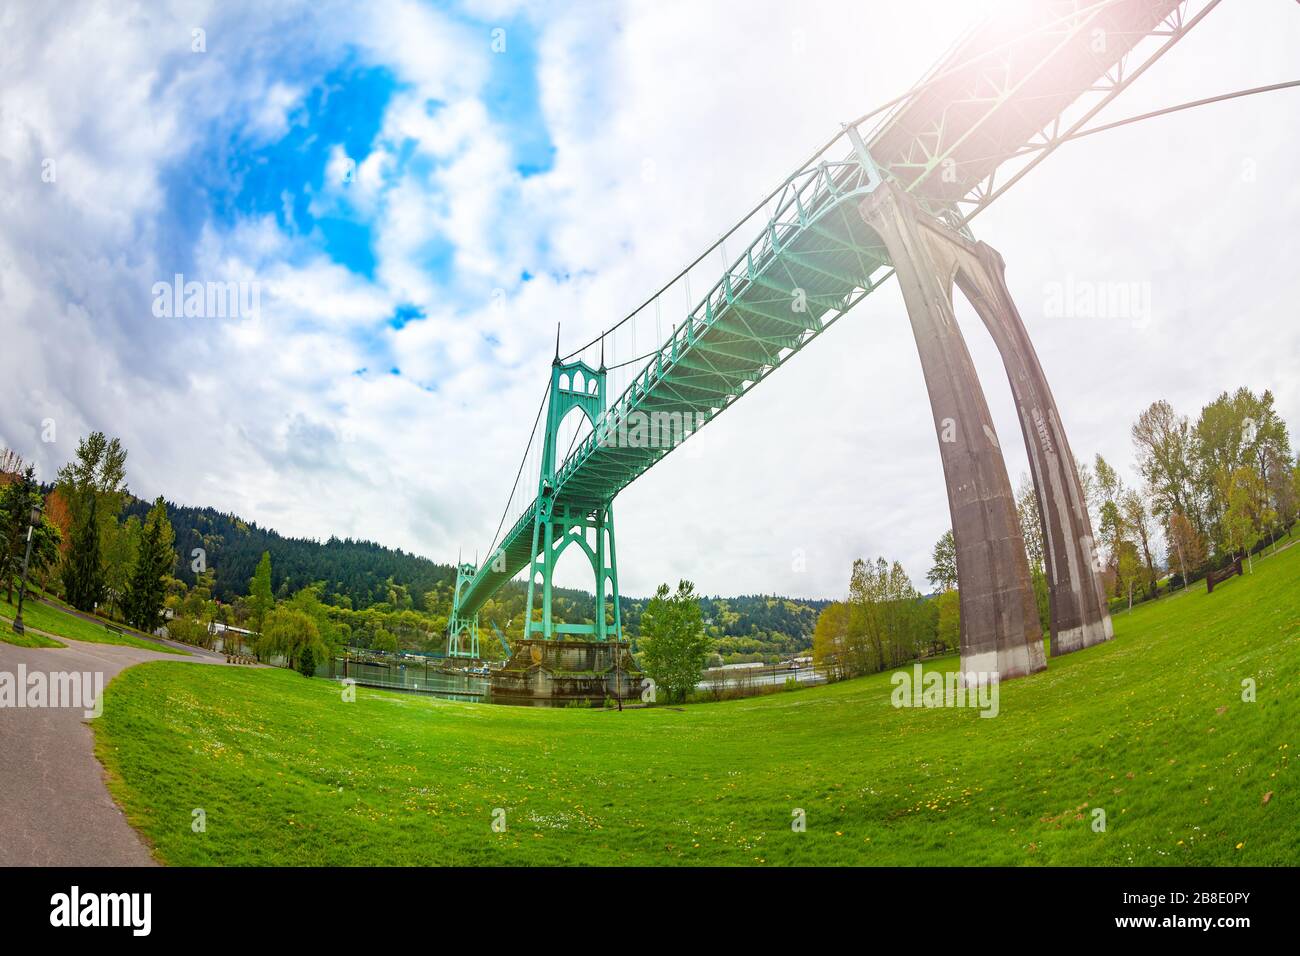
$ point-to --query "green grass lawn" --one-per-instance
(28, 638)
(1150, 727)
(56, 621)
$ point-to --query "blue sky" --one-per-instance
(235, 173)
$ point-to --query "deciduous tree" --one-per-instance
(288, 633)
(1164, 444)
(1141, 529)
(1245, 516)
(949, 630)
(673, 643)
(97, 473)
(1186, 544)
(120, 549)
(887, 623)
(830, 639)
(943, 573)
(1129, 570)
(1238, 430)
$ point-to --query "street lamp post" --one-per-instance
(22, 585)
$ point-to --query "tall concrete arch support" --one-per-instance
(999, 616)
(1079, 612)
(1078, 602)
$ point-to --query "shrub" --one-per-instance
(189, 631)
(307, 661)
(288, 633)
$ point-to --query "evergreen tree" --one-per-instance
(154, 562)
(260, 598)
(83, 575)
(18, 495)
(307, 661)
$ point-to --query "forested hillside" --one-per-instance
(362, 572)
(364, 575)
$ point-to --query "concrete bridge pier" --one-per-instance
(1080, 617)
(999, 616)
(561, 673)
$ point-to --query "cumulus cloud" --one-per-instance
(393, 402)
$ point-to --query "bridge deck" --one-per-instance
(989, 101)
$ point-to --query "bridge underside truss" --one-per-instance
(1005, 97)
(807, 270)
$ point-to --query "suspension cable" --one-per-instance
(1180, 106)
(920, 87)
(1191, 104)
(520, 472)
(1088, 132)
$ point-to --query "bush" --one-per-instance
(189, 631)
(287, 633)
(307, 661)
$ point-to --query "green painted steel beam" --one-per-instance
(942, 144)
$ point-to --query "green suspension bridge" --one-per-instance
(1007, 94)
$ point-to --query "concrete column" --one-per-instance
(1079, 611)
(999, 617)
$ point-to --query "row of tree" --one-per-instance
(104, 550)
(385, 598)
(885, 622)
(1210, 491)
(79, 545)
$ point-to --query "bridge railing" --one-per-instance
(632, 373)
(804, 196)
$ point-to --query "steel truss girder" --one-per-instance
(812, 231)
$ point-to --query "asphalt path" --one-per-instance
(55, 809)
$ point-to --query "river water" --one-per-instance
(418, 677)
(413, 677)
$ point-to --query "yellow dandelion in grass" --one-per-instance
(1240, 845)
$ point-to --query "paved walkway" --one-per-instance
(55, 809)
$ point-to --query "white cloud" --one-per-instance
(269, 119)
(834, 457)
